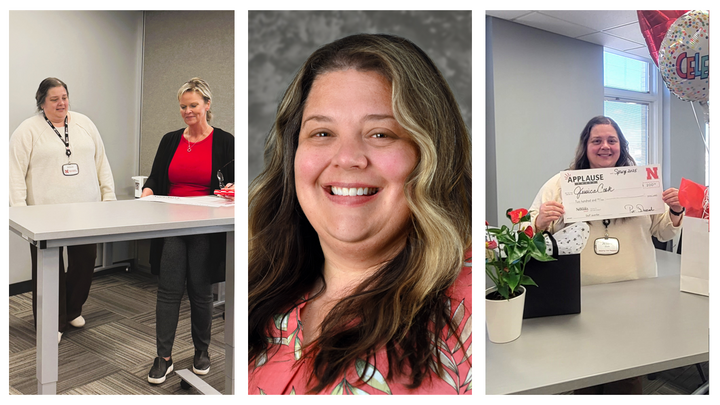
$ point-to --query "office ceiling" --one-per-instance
(617, 30)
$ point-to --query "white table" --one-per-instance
(625, 329)
(51, 226)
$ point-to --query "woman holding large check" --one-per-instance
(632, 255)
(627, 251)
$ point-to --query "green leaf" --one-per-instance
(513, 280)
(468, 379)
(449, 362)
(338, 390)
(445, 375)
(468, 353)
(514, 255)
(261, 359)
(457, 316)
(298, 347)
(464, 335)
(506, 240)
(525, 280)
(504, 291)
(371, 376)
(262, 392)
(539, 242)
(281, 321)
(542, 256)
(355, 390)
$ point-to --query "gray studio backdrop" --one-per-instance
(280, 41)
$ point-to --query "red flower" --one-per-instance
(491, 244)
(529, 231)
(486, 223)
(516, 215)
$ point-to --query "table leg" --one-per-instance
(47, 320)
(230, 314)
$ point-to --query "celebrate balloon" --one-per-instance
(684, 57)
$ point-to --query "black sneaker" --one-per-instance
(201, 362)
(160, 369)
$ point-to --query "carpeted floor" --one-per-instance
(113, 352)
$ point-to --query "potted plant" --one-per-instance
(507, 251)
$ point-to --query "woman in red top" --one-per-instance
(192, 161)
(360, 230)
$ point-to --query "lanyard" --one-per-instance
(67, 138)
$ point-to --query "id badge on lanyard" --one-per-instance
(606, 245)
(69, 169)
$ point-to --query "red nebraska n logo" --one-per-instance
(651, 173)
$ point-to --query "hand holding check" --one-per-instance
(549, 212)
(670, 197)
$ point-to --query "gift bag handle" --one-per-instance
(554, 244)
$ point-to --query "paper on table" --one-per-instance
(204, 201)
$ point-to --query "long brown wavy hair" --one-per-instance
(406, 296)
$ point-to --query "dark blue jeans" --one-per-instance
(184, 260)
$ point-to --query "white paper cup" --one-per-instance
(139, 182)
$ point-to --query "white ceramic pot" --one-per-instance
(504, 317)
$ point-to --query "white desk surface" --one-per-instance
(114, 220)
(625, 329)
(51, 226)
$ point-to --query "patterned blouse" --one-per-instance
(287, 370)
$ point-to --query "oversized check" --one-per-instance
(615, 192)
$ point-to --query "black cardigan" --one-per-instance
(223, 152)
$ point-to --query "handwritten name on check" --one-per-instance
(615, 192)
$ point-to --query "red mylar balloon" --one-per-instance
(654, 24)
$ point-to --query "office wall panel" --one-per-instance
(179, 45)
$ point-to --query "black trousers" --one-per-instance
(185, 261)
(74, 285)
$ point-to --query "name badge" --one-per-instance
(70, 169)
(607, 246)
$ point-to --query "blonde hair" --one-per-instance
(201, 87)
(395, 308)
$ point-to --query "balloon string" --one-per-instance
(699, 128)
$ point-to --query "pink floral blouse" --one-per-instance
(287, 370)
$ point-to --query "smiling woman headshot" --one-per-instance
(360, 230)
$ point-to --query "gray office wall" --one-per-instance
(280, 41)
(98, 55)
(544, 87)
(180, 45)
(684, 143)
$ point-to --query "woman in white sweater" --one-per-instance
(57, 157)
(602, 144)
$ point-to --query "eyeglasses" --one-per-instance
(220, 177)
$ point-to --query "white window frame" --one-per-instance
(653, 99)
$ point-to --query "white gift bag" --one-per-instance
(695, 256)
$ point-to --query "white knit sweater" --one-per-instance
(37, 156)
(636, 257)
